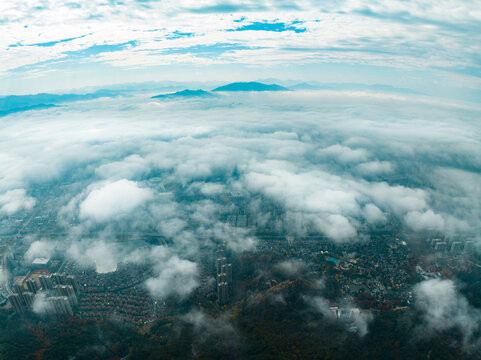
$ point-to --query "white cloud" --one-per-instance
(399, 199)
(375, 167)
(373, 214)
(114, 200)
(344, 154)
(445, 308)
(427, 220)
(206, 327)
(174, 276)
(15, 200)
(102, 255)
(410, 35)
(39, 248)
(359, 319)
(130, 167)
(290, 267)
(40, 304)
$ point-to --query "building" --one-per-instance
(222, 277)
(227, 269)
(16, 302)
(219, 262)
(68, 292)
(441, 246)
(18, 288)
(4, 270)
(469, 247)
(32, 286)
(457, 247)
(28, 299)
(59, 279)
(73, 283)
(45, 282)
(59, 305)
(40, 263)
(222, 293)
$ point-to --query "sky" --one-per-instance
(429, 46)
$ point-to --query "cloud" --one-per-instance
(173, 277)
(352, 318)
(128, 168)
(41, 43)
(15, 200)
(192, 174)
(206, 327)
(103, 256)
(290, 267)
(444, 308)
(344, 154)
(425, 221)
(373, 214)
(375, 167)
(113, 200)
(40, 304)
(399, 199)
(39, 248)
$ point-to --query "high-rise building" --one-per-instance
(469, 247)
(18, 288)
(4, 270)
(59, 305)
(28, 299)
(441, 246)
(32, 286)
(457, 247)
(16, 302)
(222, 293)
(73, 283)
(45, 282)
(219, 262)
(59, 279)
(222, 277)
(68, 292)
(227, 269)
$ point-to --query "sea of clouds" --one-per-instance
(329, 163)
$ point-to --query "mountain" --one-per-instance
(185, 94)
(354, 87)
(17, 103)
(305, 86)
(26, 108)
(250, 86)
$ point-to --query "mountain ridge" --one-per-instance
(186, 93)
(250, 86)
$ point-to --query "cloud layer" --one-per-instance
(190, 173)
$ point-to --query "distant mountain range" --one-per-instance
(187, 93)
(26, 108)
(17, 103)
(250, 86)
(353, 87)
(237, 86)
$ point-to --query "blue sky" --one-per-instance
(430, 46)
